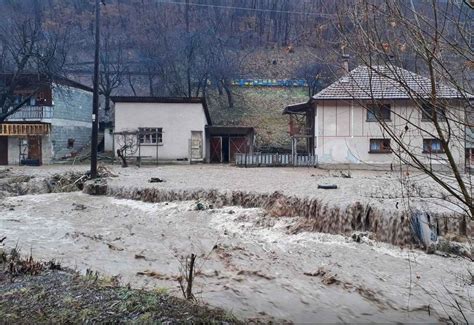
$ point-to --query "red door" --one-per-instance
(237, 145)
(3, 150)
(216, 149)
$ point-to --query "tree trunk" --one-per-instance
(230, 98)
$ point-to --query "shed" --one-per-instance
(224, 142)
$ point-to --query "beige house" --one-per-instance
(161, 128)
(343, 121)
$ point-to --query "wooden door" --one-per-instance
(3, 150)
(34, 148)
(237, 145)
(216, 149)
(196, 145)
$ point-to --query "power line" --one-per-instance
(247, 8)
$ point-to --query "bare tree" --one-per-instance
(313, 75)
(25, 48)
(127, 145)
(113, 68)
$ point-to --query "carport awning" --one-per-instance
(24, 129)
(229, 130)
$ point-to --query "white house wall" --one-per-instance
(176, 119)
(343, 134)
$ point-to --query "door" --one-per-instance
(237, 145)
(3, 150)
(196, 145)
(34, 149)
(216, 149)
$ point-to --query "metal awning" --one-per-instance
(24, 129)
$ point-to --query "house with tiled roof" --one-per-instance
(344, 121)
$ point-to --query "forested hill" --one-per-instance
(181, 47)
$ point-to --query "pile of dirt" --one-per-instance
(52, 295)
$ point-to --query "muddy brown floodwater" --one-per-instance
(247, 262)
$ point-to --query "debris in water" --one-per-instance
(327, 187)
(78, 206)
(114, 248)
(156, 180)
(156, 275)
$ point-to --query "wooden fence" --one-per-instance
(275, 160)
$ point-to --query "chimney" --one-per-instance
(345, 63)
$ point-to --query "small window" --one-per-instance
(380, 146)
(377, 113)
(70, 143)
(427, 113)
(151, 135)
(432, 146)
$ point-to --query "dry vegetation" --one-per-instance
(35, 292)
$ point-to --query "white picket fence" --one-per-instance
(275, 160)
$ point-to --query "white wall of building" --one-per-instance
(178, 120)
(343, 133)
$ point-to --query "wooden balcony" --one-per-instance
(32, 113)
(24, 129)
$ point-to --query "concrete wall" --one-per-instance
(176, 119)
(14, 150)
(343, 134)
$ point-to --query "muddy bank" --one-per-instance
(13, 183)
(390, 226)
(62, 296)
(16, 185)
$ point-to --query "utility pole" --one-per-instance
(95, 98)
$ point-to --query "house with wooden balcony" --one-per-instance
(342, 124)
(54, 123)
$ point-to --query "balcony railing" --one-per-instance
(32, 113)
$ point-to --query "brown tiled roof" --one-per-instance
(384, 82)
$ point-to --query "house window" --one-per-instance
(380, 146)
(427, 113)
(432, 146)
(378, 113)
(70, 143)
(150, 135)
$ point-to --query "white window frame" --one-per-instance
(153, 136)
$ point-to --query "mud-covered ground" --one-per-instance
(247, 262)
(382, 190)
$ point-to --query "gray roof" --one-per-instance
(384, 82)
